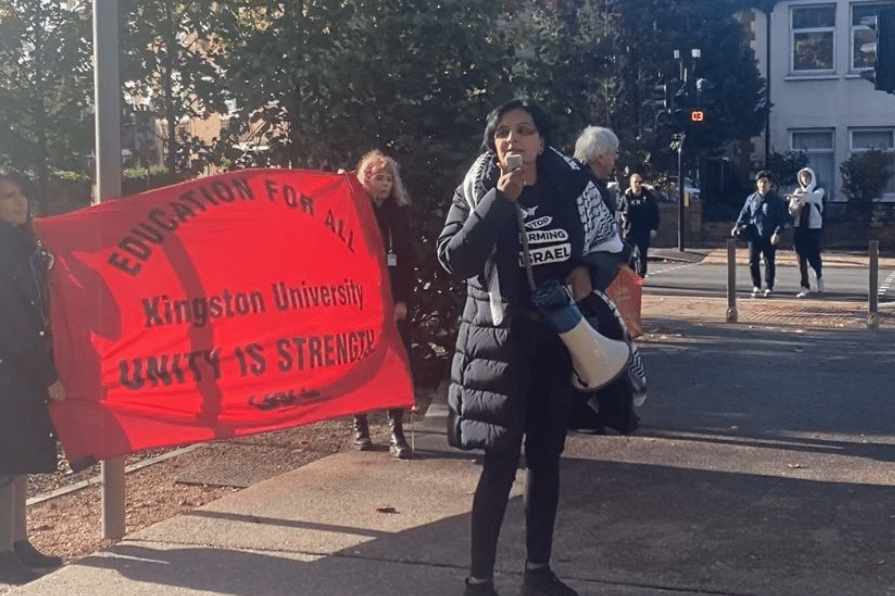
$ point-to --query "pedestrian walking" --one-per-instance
(511, 373)
(806, 208)
(761, 222)
(639, 216)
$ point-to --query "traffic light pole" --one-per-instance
(681, 233)
(695, 54)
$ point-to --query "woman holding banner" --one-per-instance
(27, 379)
(511, 374)
(379, 176)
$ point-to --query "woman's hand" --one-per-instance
(400, 311)
(56, 391)
(512, 182)
(580, 282)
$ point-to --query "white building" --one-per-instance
(812, 54)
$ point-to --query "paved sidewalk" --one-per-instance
(765, 466)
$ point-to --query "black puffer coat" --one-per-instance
(486, 408)
(27, 441)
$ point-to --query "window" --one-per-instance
(813, 29)
(818, 145)
(862, 35)
(877, 138)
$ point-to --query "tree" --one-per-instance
(864, 177)
(168, 69)
(45, 89)
(603, 58)
(317, 83)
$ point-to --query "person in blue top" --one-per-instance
(761, 222)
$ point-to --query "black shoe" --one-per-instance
(12, 571)
(480, 589)
(362, 440)
(543, 582)
(33, 558)
(398, 444)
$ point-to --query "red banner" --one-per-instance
(227, 306)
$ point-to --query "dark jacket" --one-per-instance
(27, 441)
(394, 225)
(480, 243)
(640, 215)
(764, 215)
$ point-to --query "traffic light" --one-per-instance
(697, 115)
(885, 50)
(661, 96)
(681, 105)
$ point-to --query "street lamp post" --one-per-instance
(684, 66)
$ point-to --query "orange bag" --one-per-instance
(626, 290)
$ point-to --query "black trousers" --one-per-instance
(545, 386)
(758, 248)
(806, 243)
(642, 243)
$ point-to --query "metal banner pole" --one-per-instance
(108, 186)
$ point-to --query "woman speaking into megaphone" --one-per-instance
(524, 218)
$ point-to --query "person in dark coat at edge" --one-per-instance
(639, 215)
(27, 379)
(511, 374)
(379, 176)
(761, 222)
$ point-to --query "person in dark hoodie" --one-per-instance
(27, 379)
(639, 214)
(761, 222)
(806, 208)
(511, 374)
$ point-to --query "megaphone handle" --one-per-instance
(520, 219)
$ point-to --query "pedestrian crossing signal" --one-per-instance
(697, 116)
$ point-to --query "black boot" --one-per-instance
(32, 557)
(12, 571)
(362, 433)
(399, 444)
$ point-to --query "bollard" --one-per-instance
(732, 281)
(873, 290)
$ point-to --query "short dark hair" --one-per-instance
(539, 116)
(16, 178)
(764, 174)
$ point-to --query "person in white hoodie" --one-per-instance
(806, 208)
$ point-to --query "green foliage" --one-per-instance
(598, 61)
(864, 176)
(317, 83)
(168, 68)
(45, 89)
(785, 166)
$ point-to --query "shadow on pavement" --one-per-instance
(623, 529)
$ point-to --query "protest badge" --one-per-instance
(227, 306)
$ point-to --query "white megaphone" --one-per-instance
(596, 359)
